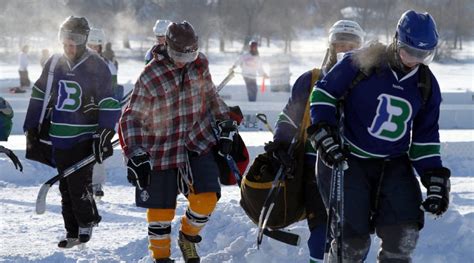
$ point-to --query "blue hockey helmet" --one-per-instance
(417, 36)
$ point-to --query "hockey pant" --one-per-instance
(380, 195)
(78, 205)
(159, 222)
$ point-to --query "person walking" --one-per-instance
(374, 125)
(83, 114)
(167, 138)
(344, 36)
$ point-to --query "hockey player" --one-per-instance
(159, 29)
(251, 65)
(83, 117)
(167, 138)
(96, 41)
(6, 116)
(344, 35)
(389, 126)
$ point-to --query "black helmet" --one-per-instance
(182, 42)
(76, 29)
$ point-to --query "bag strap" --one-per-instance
(315, 74)
(424, 83)
(49, 83)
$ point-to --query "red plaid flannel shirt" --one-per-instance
(168, 114)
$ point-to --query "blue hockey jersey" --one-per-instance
(81, 100)
(291, 117)
(384, 113)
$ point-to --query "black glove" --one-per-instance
(438, 187)
(12, 157)
(102, 144)
(227, 129)
(138, 170)
(323, 138)
(279, 151)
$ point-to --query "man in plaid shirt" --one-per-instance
(167, 136)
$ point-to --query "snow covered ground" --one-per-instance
(230, 236)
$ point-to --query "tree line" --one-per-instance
(229, 20)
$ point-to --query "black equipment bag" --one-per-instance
(289, 204)
(41, 150)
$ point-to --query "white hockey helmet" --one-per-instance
(347, 31)
(160, 27)
(96, 37)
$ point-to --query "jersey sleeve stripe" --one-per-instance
(283, 117)
(424, 150)
(319, 96)
(37, 94)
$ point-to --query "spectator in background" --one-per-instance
(44, 57)
(23, 70)
(251, 65)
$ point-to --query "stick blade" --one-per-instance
(283, 236)
(41, 199)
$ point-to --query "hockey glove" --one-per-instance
(102, 145)
(12, 157)
(138, 170)
(227, 130)
(438, 187)
(279, 151)
(323, 139)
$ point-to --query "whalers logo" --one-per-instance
(390, 122)
(144, 195)
(69, 96)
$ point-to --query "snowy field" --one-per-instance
(229, 236)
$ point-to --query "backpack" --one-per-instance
(289, 205)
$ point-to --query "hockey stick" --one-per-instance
(283, 236)
(336, 211)
(226, 80)
(43, 192)
(270, 200)
(263, 118)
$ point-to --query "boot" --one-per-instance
(187, 244)
(85, 234)
(163, 260)
(68, 242)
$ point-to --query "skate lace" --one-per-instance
(189, 249)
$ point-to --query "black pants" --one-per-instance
(251, 88)
(381, 195)
(78, 205)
